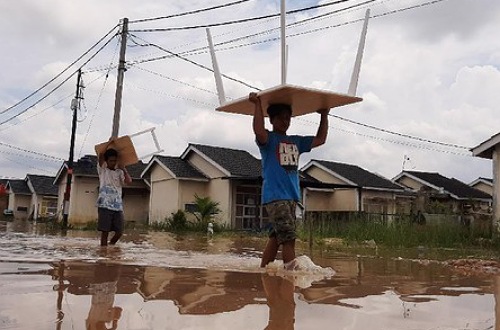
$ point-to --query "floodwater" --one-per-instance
(163, 281)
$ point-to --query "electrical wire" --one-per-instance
(59, 85)
(49, 157)
(400, 134)
(195, 63)
(403, 143)
(188, 12)
(203, 50)
(243, 20)
(59, 74)
(174, 80)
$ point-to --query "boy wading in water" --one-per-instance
(109, 203)
(280, 160)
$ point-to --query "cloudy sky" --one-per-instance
(430, 78)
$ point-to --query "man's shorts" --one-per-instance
(282, 216)
(109, 220)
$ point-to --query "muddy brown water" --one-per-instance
(163, 281)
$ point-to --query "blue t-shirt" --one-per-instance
(280, 162)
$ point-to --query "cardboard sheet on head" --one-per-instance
(303, 100)
(124, 146)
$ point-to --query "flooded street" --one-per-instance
(163, 281)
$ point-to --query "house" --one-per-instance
(4, 195)
(229, 177)
(439, 194)
(19, 198)
(85, 190)
(356, 190)
(43, 196)
(490, 149)
(483, 184)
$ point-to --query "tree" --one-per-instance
(204, 209)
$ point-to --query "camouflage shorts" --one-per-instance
(282, 216)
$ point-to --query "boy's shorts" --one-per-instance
(282, 216)
(109, 220)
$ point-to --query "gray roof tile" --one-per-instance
(239, 163)
(19, 186)
(180, 167)
(359, 176)
(453, 186)
(43, 184)
(87, 166)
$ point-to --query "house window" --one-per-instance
(22, 209)
(190, 207)
(249, 213)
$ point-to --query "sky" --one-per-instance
(429, 79)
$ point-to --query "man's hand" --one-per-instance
(254, 98)
(323, 111)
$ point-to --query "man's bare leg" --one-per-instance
(115, 238)
(270, 252)
(288, 251)
(104, 238)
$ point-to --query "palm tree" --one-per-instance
(204, 209)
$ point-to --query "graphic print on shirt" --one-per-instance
(288, 156)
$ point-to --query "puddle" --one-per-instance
(163, 281)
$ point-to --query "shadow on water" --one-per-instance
(156, 281)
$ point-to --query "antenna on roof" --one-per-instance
(215, 65)
(357, 64)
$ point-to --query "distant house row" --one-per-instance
(232, 178)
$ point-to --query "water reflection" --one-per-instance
(280, 299)
(157, 281)
(103, 289)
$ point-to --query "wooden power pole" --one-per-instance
(75, 105)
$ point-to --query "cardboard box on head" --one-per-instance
(303, 100)
(124, 146)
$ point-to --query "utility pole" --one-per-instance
(75, 105)
(119, 80)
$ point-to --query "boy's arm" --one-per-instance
(322, 133)
(100, 156)
(127, 179)
(258, 119)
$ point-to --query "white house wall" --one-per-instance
(82, 204)
(163, 195)
(205, 167)
(16, 201)
(220, 191)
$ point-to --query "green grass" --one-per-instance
(403, 234)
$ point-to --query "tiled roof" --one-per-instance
(43, 184)
(87, 166)
(452, 186)
(359, 176)
(180, 167)
(19, 186)
(239, 163)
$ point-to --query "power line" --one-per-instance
(195, 63)
(174, 80)
(59, 74)
(403, 143)
(188, 12)
(244, 20)
(52, 158)
(59, 85)
(202, 50)
(400, 134)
